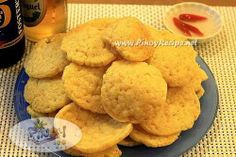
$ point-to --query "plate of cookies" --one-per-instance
(132, 89)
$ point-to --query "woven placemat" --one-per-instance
(219, 54)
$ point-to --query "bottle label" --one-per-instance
(33, 11)
(11, 23)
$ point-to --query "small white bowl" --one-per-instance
(210, 27)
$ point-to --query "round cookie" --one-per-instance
(132, 91)
(46, 59)
(175, 63)
(150, 140)
(84, 44)
(99, 132)
(196, 81)
(200, 92)
(179, 113)
(35, 114)
(83, 85)
(111, 152)
(129, 31)
(46, 95)
(53, 114)
(128, 142)
(100, 23)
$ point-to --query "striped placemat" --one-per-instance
(219, 54)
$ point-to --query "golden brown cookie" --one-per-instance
(150, 140)
(53, 114)
(200, 92)
(83, 85)
(99, 132)
(46, 95)
(46, 59)
(35, 114)
(84, 44)
(175, 63)
(132, 92)
(128, 142)
(99, 23)
(179, 113)
(196, 81)
(124, 36)
(110, 152)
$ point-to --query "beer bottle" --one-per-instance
(43, 18)
(12, 42)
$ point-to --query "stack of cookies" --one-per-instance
(102, 77)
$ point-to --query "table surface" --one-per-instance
(219, 54)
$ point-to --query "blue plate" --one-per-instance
(187, 140)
